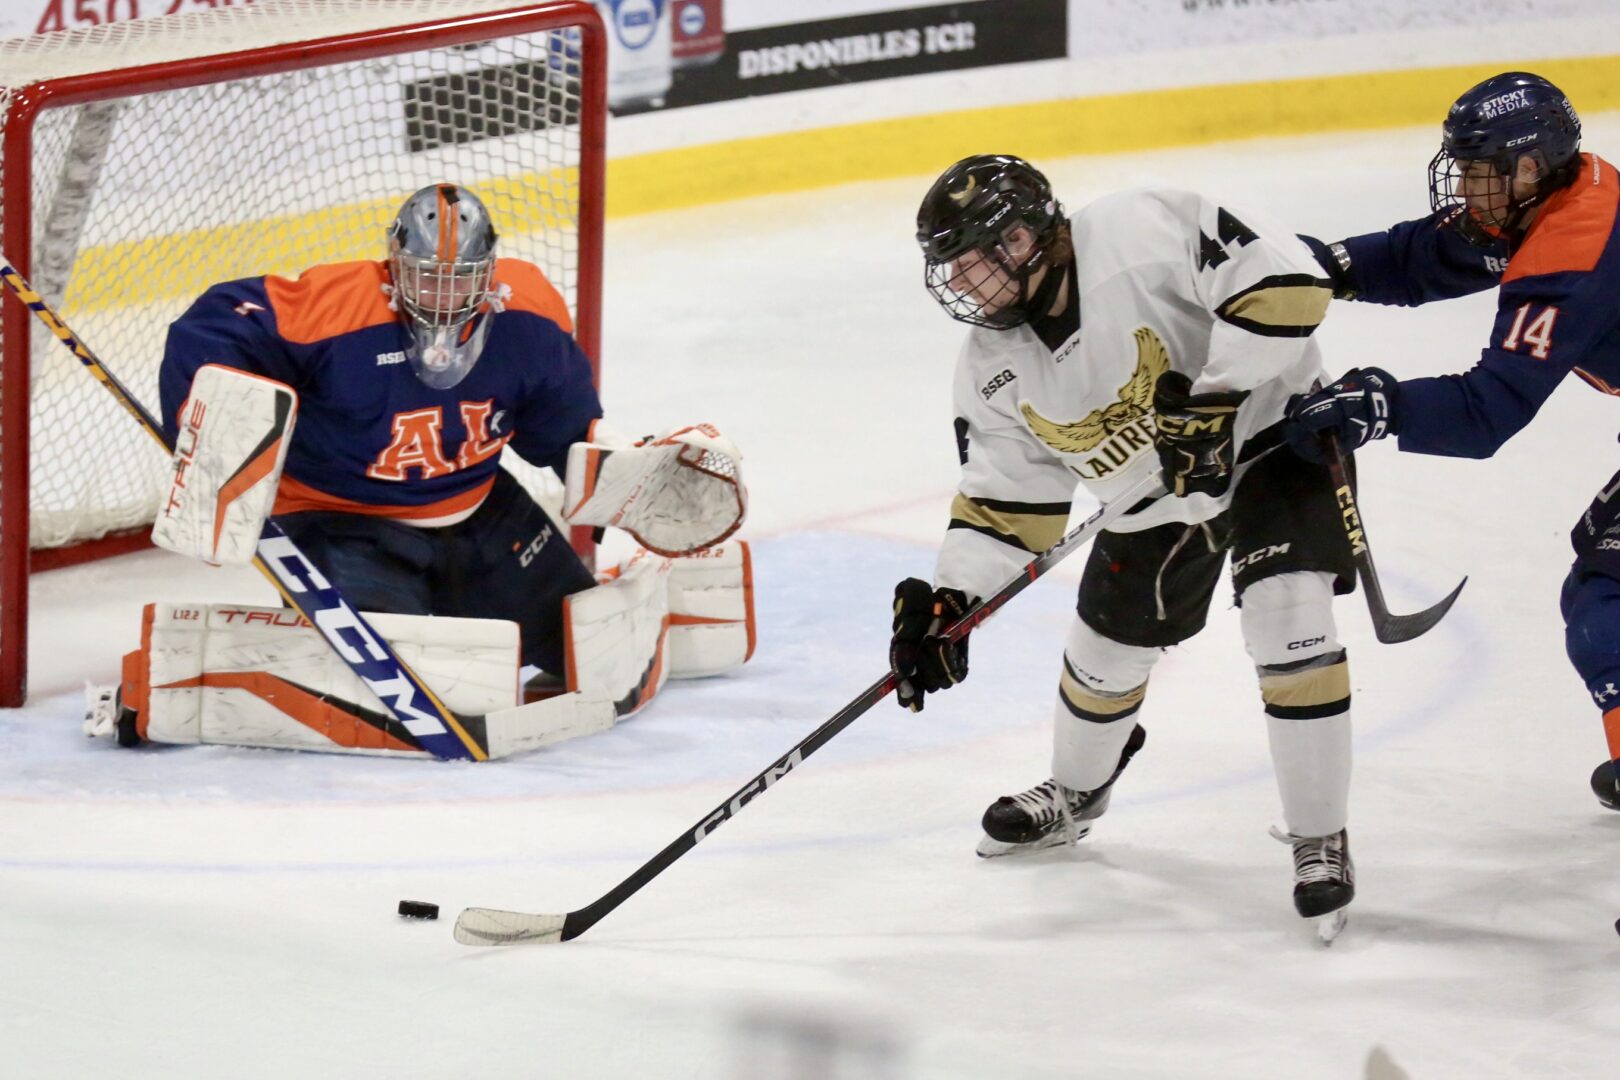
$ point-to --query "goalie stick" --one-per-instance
(487, 926)
(1389, 628)
(437, 729)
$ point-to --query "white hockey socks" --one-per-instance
(234, 432)
(1101, 690)
(1305, 685)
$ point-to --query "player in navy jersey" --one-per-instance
(1515, 202)
(412, 375)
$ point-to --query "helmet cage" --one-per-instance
(986, 285)
(441, 256)
(1453, 181)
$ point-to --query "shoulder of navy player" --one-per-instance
(1555, 313)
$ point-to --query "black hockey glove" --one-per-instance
(1358, 408)
(923, 661)
(1194, 435)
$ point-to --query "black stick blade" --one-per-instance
(1391, 629)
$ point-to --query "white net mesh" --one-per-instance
(140, 202)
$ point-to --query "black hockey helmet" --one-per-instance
(974, 206)
(1505, 118)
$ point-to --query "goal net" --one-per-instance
(145, 161)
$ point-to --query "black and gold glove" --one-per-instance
(1194, 435)
(923, 661)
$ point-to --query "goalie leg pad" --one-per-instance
(234, 430)
(615, 635)
(250, 676)
(711, 611)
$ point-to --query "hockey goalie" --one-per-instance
(365, 406)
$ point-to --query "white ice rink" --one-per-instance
(208, 912)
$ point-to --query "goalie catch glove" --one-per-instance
(924, 662)
(1194, 435)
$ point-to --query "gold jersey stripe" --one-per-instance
(1031, 531)
(1287, 306)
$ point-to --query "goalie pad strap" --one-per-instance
(235, 429)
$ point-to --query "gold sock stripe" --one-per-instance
(1307, 694)
(1089, 704)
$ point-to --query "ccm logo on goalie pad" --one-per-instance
(342, 626)
(755, 787)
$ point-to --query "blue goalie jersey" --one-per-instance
(372, 438)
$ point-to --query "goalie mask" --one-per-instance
(441, 255)
(1487, 133)
(987, 227)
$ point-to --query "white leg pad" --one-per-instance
(1101, 689)
(615, 635)
(1289, 630)
(239, 675)
(711, 611)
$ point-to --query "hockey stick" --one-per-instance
(1388, 628)
(487, 926)
(438, 730)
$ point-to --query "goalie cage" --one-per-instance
(141, 162)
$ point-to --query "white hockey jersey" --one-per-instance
(1166, 280)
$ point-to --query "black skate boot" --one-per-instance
(1049, 814)
(1324, 879)
(1606, 785)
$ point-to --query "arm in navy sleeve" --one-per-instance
(230, 324)
(1544, 325)
(1412, 263)
(561, 402)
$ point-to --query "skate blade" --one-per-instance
(1329, 926)
(995, 849)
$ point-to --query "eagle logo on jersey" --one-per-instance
(1135, 403)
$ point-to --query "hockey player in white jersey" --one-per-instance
(1153, 330)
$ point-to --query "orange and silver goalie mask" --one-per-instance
(441, 255)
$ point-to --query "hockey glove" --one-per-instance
(1358, 408)
(1194, 435)
(922, 661)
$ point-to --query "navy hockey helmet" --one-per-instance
(1488, 130)
(974, 265)
(441, 256)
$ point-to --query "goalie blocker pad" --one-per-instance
(234, 431)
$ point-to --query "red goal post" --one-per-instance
(141, 162)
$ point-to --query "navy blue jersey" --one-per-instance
(1557, 312)
(1419, 261)
(372, 438)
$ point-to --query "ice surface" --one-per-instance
(217, 912)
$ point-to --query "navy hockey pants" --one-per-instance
(509, 560)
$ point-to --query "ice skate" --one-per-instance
(1606, 785)
(106, 718)
(1049, 814)
(1324, 879)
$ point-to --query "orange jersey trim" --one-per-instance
(1573, 228)
(328, 301)
(294, 496)
(1611, 731)
(532, 292)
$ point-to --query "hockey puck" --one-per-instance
(418, 909)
